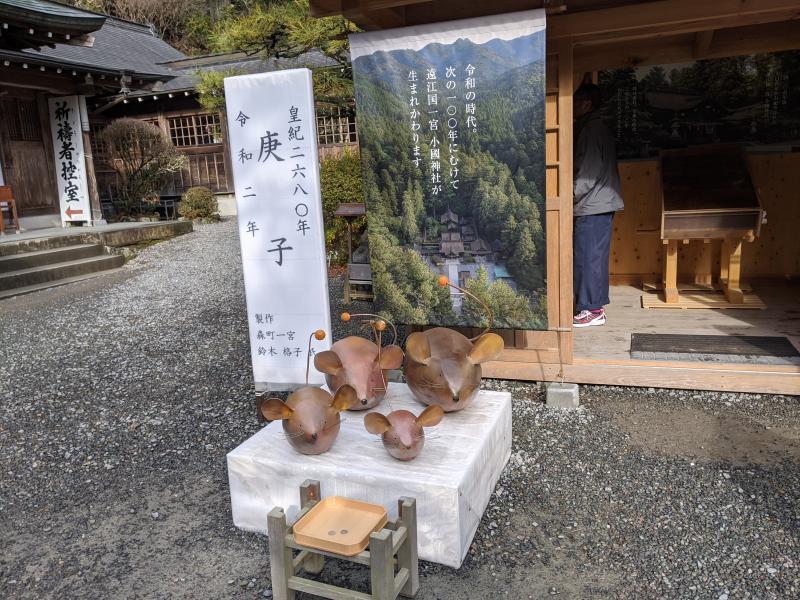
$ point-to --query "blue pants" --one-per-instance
(592, 242)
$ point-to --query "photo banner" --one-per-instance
(66, 131)
(451, 127)
(273, 146)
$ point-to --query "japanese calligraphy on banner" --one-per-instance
(65, 125)
(452, 133)
(273, 146)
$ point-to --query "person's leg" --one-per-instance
(581, 239)
(591, 294)
(603, 227)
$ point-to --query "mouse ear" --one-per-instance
(391, 357)
(486, 348)
(430, 416)
(275, 409)
(418, 348)
(376, 423)
(328, 362)
(344, 398)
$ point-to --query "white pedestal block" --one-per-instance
(452, 478)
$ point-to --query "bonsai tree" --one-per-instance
(143, 157)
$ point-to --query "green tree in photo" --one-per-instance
(508, 308)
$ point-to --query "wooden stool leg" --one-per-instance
(382, 567)
(16, 217)
(702, 274)
(732, 287)
(407, 554)
(671, 273)
(310, 494)
(280, 555)
(2, 219)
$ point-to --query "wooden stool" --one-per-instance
(7, 202)
(394, 546)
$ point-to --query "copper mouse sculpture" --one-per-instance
(402, 432)
(443, 366)
(361, 363)
(310, 415)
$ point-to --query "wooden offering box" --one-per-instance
(707, 194)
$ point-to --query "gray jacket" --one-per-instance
(596, 187)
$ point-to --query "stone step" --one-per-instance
(40, 258)
(54, 272)
(51, 284)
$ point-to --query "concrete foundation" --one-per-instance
(563, 395)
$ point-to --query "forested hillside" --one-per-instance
(501, 187)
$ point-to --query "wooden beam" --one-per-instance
(768, 379)
(738, 41)
(385, 18)
(325, 8)
(667, 17)
(702, 43)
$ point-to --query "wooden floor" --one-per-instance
(625, 315)
(602, 354)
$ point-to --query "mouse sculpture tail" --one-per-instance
(444, 282)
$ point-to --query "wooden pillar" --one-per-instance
(671, 272)
(732, 285)
(91, 178)
(724, 261)
(281, 566)
(705, 263)
(226, 154)
(565, 185)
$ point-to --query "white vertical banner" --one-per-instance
(73, 190)
(273, 145)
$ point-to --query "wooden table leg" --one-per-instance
(280, 555)
(703, 271)
(382, 565)
(671, 272)
(732, 284)
(309, 495)
(724, 262)
(407, 554)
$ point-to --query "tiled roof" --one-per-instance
(118, 46)
(49, 8)
(186, 71)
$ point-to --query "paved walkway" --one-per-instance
(120, 396)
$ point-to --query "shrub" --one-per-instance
(340, 181)
(199, 203)
(143, 157)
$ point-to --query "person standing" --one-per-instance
(596, 197)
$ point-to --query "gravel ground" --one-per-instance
(120, 396)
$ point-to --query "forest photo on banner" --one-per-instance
(452, 133)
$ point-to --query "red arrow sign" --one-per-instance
(71, 211)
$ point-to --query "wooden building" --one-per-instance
(587, 36)
(199, 133)
(48, 50)
(120, 68)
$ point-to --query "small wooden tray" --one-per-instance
(339, 525)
